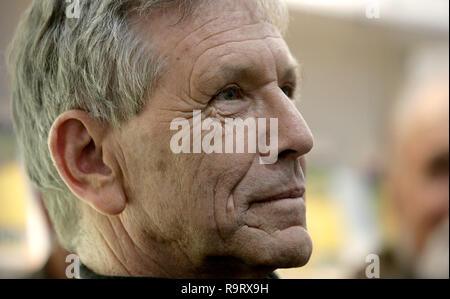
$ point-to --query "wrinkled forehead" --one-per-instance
(210, 24)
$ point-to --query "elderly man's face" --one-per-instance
(228, 62)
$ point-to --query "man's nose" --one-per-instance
(294, 136)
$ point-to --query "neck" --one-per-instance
(111, 249)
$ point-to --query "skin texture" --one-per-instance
(150, 212)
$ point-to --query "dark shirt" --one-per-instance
(86, 273)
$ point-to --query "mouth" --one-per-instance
(291, 194)
(280, 210)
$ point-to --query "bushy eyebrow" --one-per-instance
(233, 71)
(248, 71)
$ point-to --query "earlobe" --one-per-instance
(112, 201)
(77, 142)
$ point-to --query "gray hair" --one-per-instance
(95, 63)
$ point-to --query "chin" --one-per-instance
(288, 248)
(293, 251)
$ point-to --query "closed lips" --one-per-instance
(290, 194)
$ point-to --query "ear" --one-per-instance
(76, 143)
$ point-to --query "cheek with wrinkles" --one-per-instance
(228, 173)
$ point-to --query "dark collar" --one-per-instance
(86, 273)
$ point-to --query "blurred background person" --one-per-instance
(417, 184)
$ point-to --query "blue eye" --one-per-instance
(229, 94)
